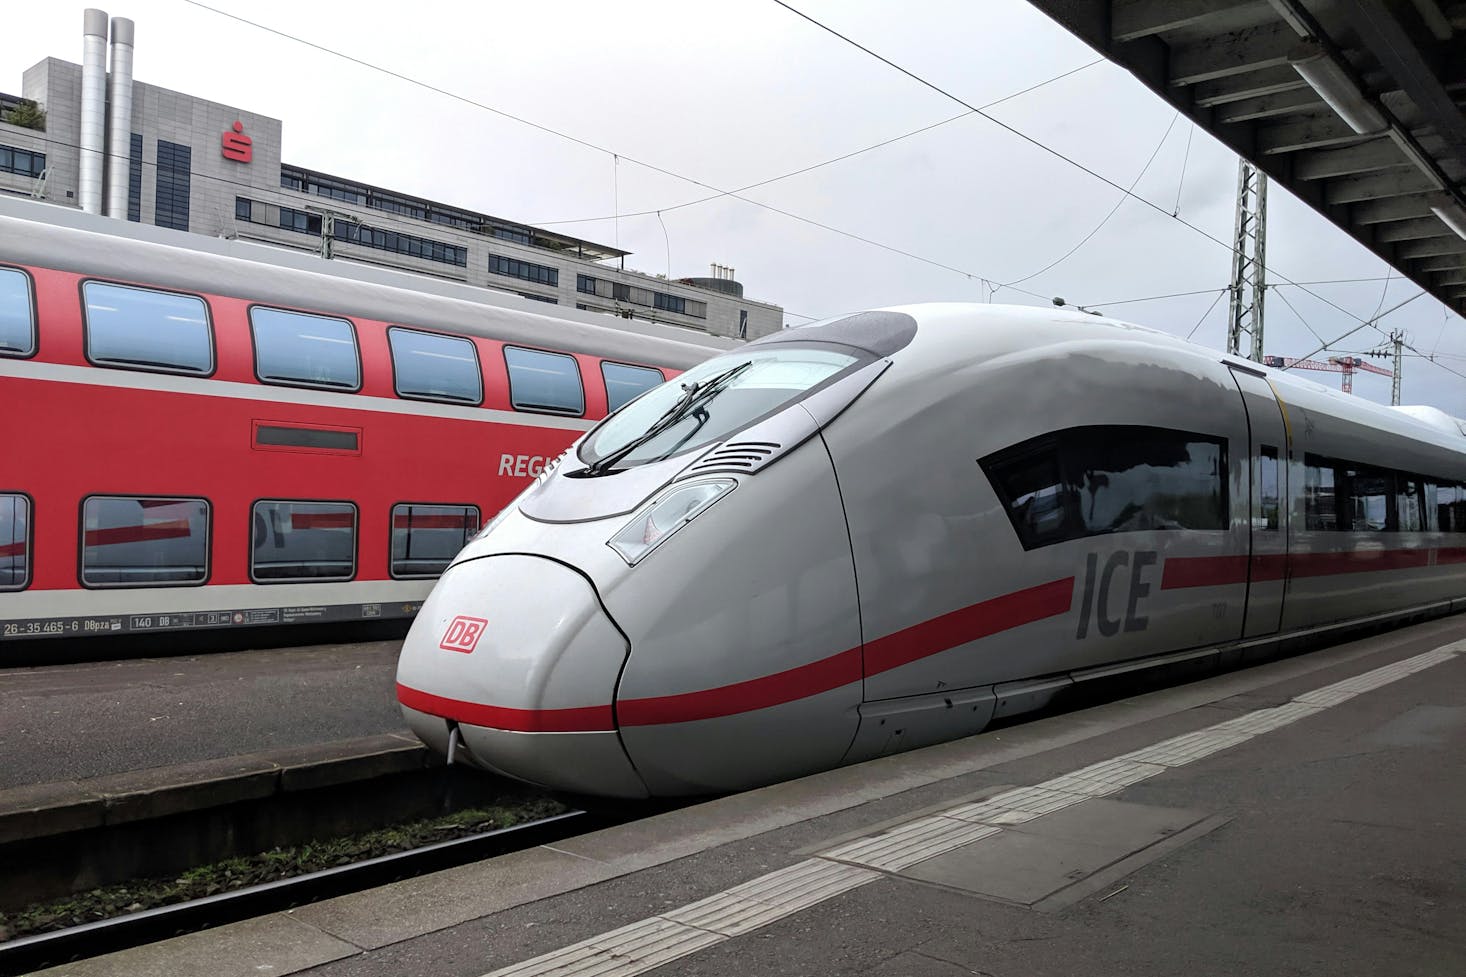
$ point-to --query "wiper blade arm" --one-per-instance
(693, 395)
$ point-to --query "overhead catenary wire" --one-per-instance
(1106, 219)
(1213, 305)
(1176, 210)
(1047, 149)
(1306, 325)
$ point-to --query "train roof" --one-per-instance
(1011, 329)
(52, 236)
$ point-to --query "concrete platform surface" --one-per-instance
(76, 722)
(1301, 817)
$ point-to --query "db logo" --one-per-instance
(463, 634)
(236, 145)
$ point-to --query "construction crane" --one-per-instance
(1345, 365)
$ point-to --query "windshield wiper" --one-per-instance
(693, 396)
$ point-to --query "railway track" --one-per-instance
(29, 953)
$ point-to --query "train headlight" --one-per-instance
(666, 514)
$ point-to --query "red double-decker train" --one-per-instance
(203, 434)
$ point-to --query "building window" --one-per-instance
(135, 178)
(547, 299)
(1091, 481)
(21, 162)
(15, 541)
(671, 303)
(512, 234)
(17, 314)
(540, 381)
(408, 244)
(586, 284)
(303, 349)
(425, 538)
(171, 208)
(244, 209)
(313, 541)
(143, 329)
(134, 542)
(435, 367)
(298, 220)
(625, 383)
(291, 180)
(527, 270)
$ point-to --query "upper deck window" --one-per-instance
(435, 367)
(146, 329)
(17, 314)
(541, 381)
(308, 350)
(626, 383)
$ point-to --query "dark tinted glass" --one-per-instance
(172, 185)
(1408, 493)
(15, 511)
(1320, 504)
(625, 383)
(129, 541)
(1091, 481)
(141, 328)
(293, 347)
(425, 538)
(438, 367)
(1369, 491)
(1267, 488)
(544, 381)
(303, 541)
(17, 324)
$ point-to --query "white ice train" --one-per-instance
(886, 530)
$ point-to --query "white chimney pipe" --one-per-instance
(93, 109)
(119, 118)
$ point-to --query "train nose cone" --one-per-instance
(519, 654)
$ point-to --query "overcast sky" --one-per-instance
(732, 94)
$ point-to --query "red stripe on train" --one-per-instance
(322, 520)
(1217, 571)
(759, 693)
(903, 647)
(968, 624)
(585, 719)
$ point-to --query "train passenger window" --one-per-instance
(144, 329)
(1091, 481)
(15, 541)
(304, 349)
(128, 541)
(425, 538)
(1430, 512)
(1408, 495)
(1451, 507)
(435, 367)
(1367, 491)
(17, 314)
(541, 381)
(303, 541)
(625, 383)
(1320, 506)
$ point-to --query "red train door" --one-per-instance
(1267, 504)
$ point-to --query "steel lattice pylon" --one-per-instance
(1249, 259)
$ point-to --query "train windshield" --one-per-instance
(709, 402)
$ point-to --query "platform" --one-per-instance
(1300, 817)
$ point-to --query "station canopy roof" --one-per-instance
(1353, 105)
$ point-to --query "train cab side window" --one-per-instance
(1092, 481)
(545, 382)
(128, 541)
(425, 538)
(1267, 488)
(300, 349)
(17, 314)
(313, 541)
(143, 329)
(625, 383)
(1450, 507)
(434, 367)
(15, 541)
